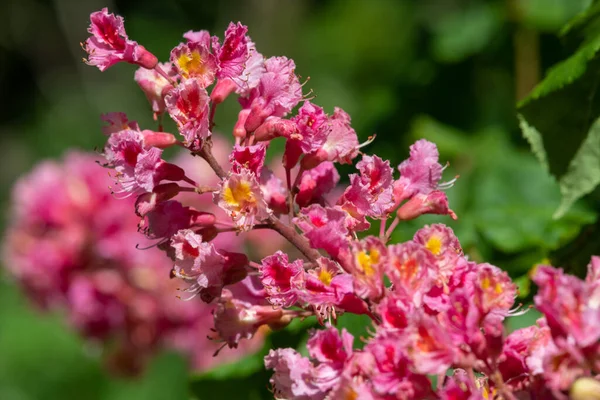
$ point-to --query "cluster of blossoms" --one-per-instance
(72, 246)
(432, 309)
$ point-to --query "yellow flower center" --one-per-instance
(366, 260)
(434, 245)
(325, 276)
(238, 195)
(191, 64)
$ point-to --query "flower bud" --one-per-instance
(435, 202)
(585, 389)
(238, 130)
(144, 58)
(276, 127)
(162, 140)
(222, 89)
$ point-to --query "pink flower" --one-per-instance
(324, 227)
(396, 311)
(188, 106)
(251, 158)
(236, 319)
(563, 299)
(411, 268)
(516, 350)
(341, 145)
(315, 183)
(496, 292)
(276, 274)
(313, 126)
(138, 168)
(431, 349)
(460, 387)
(240, 197)
(253, 70)
(420, 173)
(292, 377)
(365, 261)
(193, 60)
(166, 219)
(443, 244)
(274, 192)
(330, 350)
(201, 264)
(234, 53)
(326, 288)
(109, 43)
(370, 193)
(116, 122)
(393, 372)
(155, 86)
(277, 93)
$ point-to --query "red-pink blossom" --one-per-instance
(240, 197)
(193, 60)
(392, 372)
(206, 269)
(188, 106)
(420, 173)
(276, 274)
(315, 183)
(109, 44)
(411, 268)
(278, 91)
(237, 319)
(251, 158)
(155, 86)
(370, 193)
(443, 244)
(313, 126)
(274, 192)
(341, 145)
(233, 54)
(292, 375)
(325, 228)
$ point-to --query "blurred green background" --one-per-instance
(446, 70)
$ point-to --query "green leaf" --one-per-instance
(503, 198)
(584, 171)
(559, 116)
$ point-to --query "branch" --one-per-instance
(294, 238)
(206, 153)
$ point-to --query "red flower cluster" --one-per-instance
(432, 309)
(72, 246)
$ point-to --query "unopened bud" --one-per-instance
(276, 127)
(161, 140)
(170, 172)
(311, 161)
(585, 389)
(200, 218)
(144, 58)
(435, 202)
(147, 201)
(239, 130)
(256, 117)
(222, 89)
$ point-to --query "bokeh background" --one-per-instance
(446, 70)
